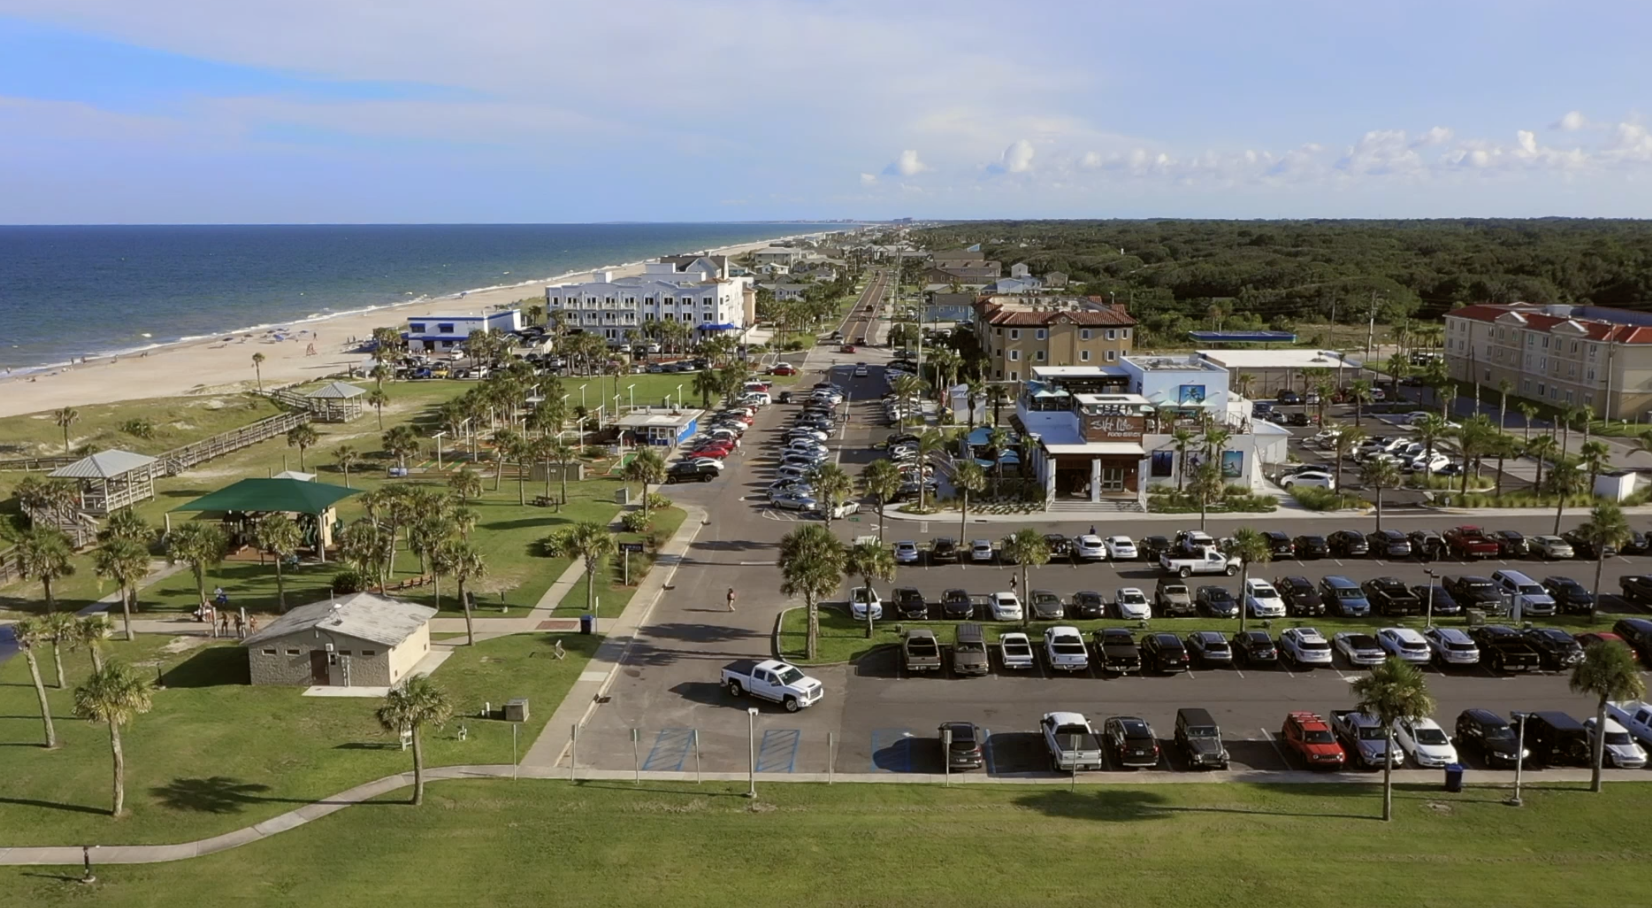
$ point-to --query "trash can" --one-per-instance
(587, 624)
(1454, 777)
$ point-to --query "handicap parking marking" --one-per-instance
(892, 749)
(777, 751)
(670, 749)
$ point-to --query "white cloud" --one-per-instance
(1439, 135)
(868, 179)
(907, 165)
(1018, 157)
(1573, 121)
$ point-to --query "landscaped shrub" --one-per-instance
(1317, 499)
(658, 502)
(634, 521)
(350, 582)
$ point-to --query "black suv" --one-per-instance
(909, 603)
(943, 550)
(1301, 598)
(1058, 546)
(1311, 547)
(1200, 739)
(1556, 739)
(1510, 544)
(1255, 648)
(1348, 543)
(1558, 649)
(1388, 544)
(1637, 588)
(1089, 604)
(1436, 600)
(1584, 547)
(1216, 601)
(1569, 596)
(1473, 591)
(1504, 649)
(1151, 547)
(1485, 733)
(1163, 652)
(1280, 544)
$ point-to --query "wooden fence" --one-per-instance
(178, 460)
(32, 464)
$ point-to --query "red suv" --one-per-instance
(1307, 734)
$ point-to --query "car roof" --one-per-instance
(1453, 633)
(1255, 636)
(1131, 724)
(1067, 718)
(1405, 633)
(1194, 715)
(1337, 580)
(1211, 636)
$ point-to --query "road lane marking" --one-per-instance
(1268, 736)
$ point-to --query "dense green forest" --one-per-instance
(1245, 274)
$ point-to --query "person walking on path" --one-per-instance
(731, 598)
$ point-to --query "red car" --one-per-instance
(783, 369)
(848, 348)
(1593, 637)
(714, 453)
(1309, 735)
(1471, 542)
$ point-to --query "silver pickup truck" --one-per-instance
(1072, 742)
(1363, 737)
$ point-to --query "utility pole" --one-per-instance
(1371, 329)
(1607, 408)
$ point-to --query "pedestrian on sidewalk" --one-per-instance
(731, 598)
(240, 626)
(223, 623)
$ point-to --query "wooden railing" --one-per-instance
(31, 464)
(178, 460)
(8, 564)
(79, 526)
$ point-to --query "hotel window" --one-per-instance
(1591, 375)
(1531, 340)
(1015, 334)
(1084, 334)
(1112, 355)
(1589, 397)
(1112, 334)
(1083, 356)
(1593, 349)
(444, 327)
(1015, 356)
(1526, 386)
(1015, 376)
(1124, 333)
(1042, 334)
(1545, 343)
(1574, 346)
(1040, 356)
(1568, 397)
(1571, 372)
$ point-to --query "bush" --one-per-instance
(345, 582)
(1317, 499)
(658, 502)
(634, 521)
(594, 452)
(138, 428)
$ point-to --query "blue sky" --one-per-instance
(175, 111)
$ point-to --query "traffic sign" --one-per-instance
(631, 547)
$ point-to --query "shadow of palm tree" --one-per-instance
(53, 805)
(218, 794)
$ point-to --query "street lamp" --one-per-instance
(1430, 620)
(631, 392)
(1519, 759)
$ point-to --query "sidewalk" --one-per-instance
(576, 706)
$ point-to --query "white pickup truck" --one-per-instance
(1202, 561)
(1635, 716)
(773, 680)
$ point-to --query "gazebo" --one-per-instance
(336, 402)
(312, 501)
(111, 480)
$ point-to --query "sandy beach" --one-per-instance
(224, 363)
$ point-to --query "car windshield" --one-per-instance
(789, 675)
(1349, 593)
(1314, 644)
(1318, 737)
(1498, 733)
(1264, 592)
(1200, 731)
(1618, 738)
(1361, 641)
(1132, 598)
(1431, 736)
(1370, 733)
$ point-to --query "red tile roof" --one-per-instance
(1021, 314)
(1536, 320)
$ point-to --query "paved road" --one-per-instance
(880, 721)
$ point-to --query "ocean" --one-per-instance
(87, 291)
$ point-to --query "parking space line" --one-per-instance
(896, 740)
(669, 750)
(777, 751)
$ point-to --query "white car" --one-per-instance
(1132, 604)
(860, 371)
(1621, 749)
(1359, 649)
(1016, 650)
(1089, 548)
(1004, 607)
(907, 553)
(806, 434)
(1417, 416)
(1425, 742)
(862, 596)
(1121, 548)
(841, 511)
(1305, 646)
(1313, 478)
(1406, 644)
(1262, 600)
(980, 551)
(807, 447)
(1325, 439)
(1451, 646)
(795, 471)
(1064, 648)
(707, 463)
(1431, 464)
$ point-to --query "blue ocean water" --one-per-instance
(84, 291)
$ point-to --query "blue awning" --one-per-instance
(725, 326)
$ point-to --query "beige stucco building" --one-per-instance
(1565, 356)
(1020, 333)
(361, 640)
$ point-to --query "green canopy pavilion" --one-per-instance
(312, 501)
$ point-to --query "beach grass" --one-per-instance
(216, 753)
(1176, 846)
(144, 426)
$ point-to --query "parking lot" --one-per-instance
(876, 719)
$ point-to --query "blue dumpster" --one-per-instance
(1454, 777)
(587, 624)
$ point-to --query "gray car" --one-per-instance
(1046, 606)
(1210, 648)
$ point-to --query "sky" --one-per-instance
(345, 111)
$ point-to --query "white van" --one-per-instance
(1522, 595)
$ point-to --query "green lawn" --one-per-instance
(1176, 846)
(216, 753)
(614, 595)
(843, 639)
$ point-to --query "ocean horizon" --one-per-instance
(73, 291)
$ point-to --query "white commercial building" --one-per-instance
(432, 333)
(692, 293)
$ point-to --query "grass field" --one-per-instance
(843, 638)
(216, 753)
(1177, 846)
(173, 421)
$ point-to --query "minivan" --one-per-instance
(1517, 590)
(1200, 739)
(1556, 739)
(969, 651)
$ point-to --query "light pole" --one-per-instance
(751, 751)
(1519, 758)
(946, 753)
(631, 392)
(1430, 620)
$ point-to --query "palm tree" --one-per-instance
(1182, 440)
(201, 545)
(1242, 382)
(1595, 457)
(998, 438)
(1394, 691)
(1208, 486)
(882, 480)
(301, 437)
(1527, 411)
(564, 454)
(418, 702)
(1430, 429)
(977, 390)
(1541, 448)
(1567, 417)
(1359, 391)
(60, 630)
(44, 554)
(930, 443)
(588, 542)
(519, 449)
(30, 634)
(279, 535)
(967, 478)
(113, 697)
(125, 524)
(811, 566)
(65, 418)
(467, 566)
(126, 562)
(503, 441)
(832, 487)
(1565, 480)
(648, 468)
(869, 561)
(1606, 528)
(258, 370)
(1608, 671)
(909, 390)
(1504, 386)
(1251, 547)
(1026, 547)
(376, 399)
(347, 457)
(88, 634)
(466, 484)
(1379, 474)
